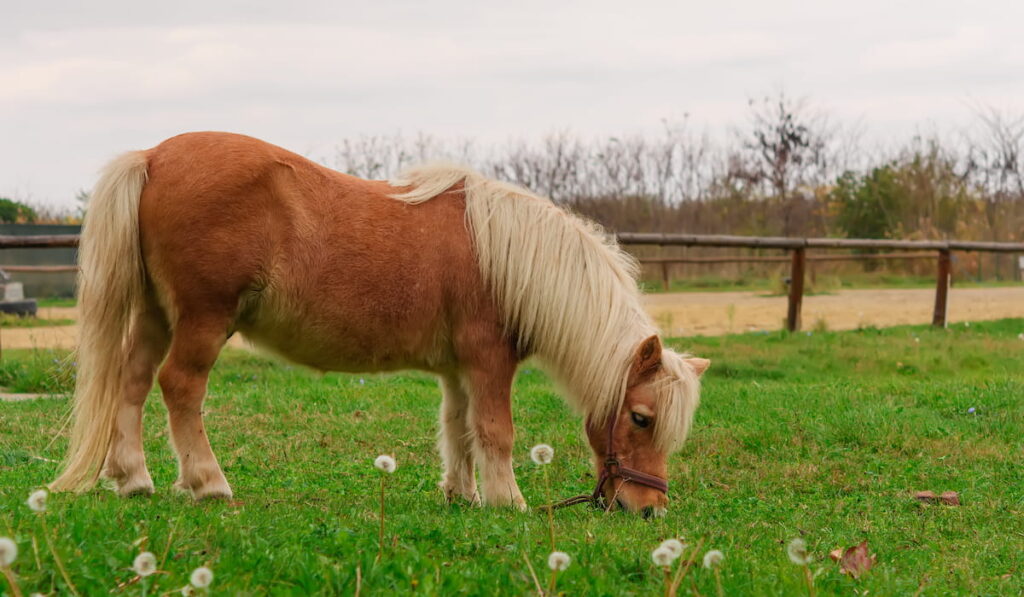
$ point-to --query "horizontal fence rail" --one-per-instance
(784, 242)
(38, 269)
(797, 246)
(8, 241)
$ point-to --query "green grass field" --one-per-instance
(13, 321)
(823, 436)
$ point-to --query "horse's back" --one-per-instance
(323, 267)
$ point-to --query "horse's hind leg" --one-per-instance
(194, 348)
(126, 462)
(455, 442)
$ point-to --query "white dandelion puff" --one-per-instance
(675, 546)
(144, 564)
(37, 500)
(559, 561)
(662, 556)
(713, 558)
(542, 454)
(188, 591)
(8, 551)
(201, 577)
(385, 463)
(797, 552)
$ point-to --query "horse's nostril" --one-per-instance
(648, 511)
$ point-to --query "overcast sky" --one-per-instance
(82, 81)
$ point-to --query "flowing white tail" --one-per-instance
(110, 289)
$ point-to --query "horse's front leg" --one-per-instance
(455, 442)
(490, 420)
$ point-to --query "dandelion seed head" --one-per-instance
(797, 552)
(542, 454)
(201, 577)
(559, 561)
(8, 551)
(385, 463)
(188, 591)
(37, 500)
(662, 556)
(144, 564)
(675, 546)
(713, 558)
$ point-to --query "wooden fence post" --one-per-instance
(796, 289)
(942, 289)
(664, 276)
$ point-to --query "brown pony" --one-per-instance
(209, 234)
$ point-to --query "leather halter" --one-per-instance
(613, 469)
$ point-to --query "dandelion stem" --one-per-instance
(11, 581)
(35, 552)
(668, 581)
(810, 581)
(533, 575)
(551, 585)
(718, 582)
(683, 570)
(380, 548)
(550, 509)
(57, 560)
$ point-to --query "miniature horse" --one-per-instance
(445, 271)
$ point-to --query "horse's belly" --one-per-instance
(330, 340)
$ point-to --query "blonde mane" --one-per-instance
(567, 292)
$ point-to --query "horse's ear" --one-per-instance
(699, 365)
(646, 361)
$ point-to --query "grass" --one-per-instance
(13, 321)
(57, 302)
(823, 436)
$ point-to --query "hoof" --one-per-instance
(515, 502)
(452, 495)
(125, 486)
(142, 487)
(211, 491)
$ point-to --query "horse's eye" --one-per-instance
(639, 420)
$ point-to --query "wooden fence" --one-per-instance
(797, 246)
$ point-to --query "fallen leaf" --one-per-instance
(836, 554)
(948, 498)
(855, 561)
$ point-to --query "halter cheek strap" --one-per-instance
(613, 469)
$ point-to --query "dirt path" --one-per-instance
(699, 313)
(689, 314)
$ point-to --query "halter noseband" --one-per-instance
(613, 469)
